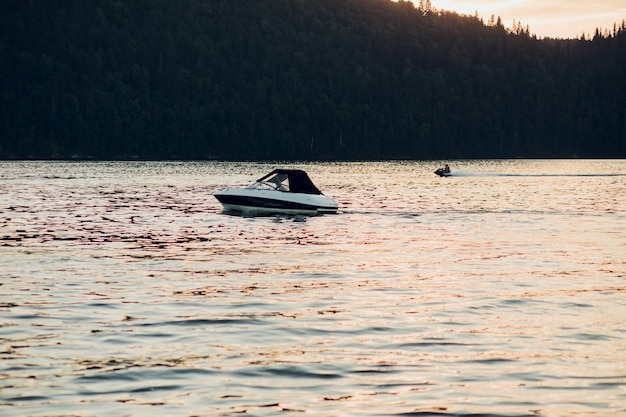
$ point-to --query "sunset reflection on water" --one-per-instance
(126, 291)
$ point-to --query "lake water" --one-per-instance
(499, 291)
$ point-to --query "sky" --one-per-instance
(546, 18)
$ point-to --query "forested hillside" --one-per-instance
(299, 79)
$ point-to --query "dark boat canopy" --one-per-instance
(290, 180)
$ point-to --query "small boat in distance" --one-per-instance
(444, 172)
(282, 191)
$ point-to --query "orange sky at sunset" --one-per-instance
(546, 18)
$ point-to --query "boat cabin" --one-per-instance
(290, 180)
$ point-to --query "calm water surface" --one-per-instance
(500, 291)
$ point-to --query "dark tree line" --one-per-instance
(299, 79)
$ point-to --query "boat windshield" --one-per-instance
(290, 180)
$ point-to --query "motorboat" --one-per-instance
(443, 172)
(285, 191)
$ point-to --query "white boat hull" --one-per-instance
(274, 201)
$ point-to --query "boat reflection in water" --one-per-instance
(282, 191)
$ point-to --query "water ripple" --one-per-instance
(124, 290)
